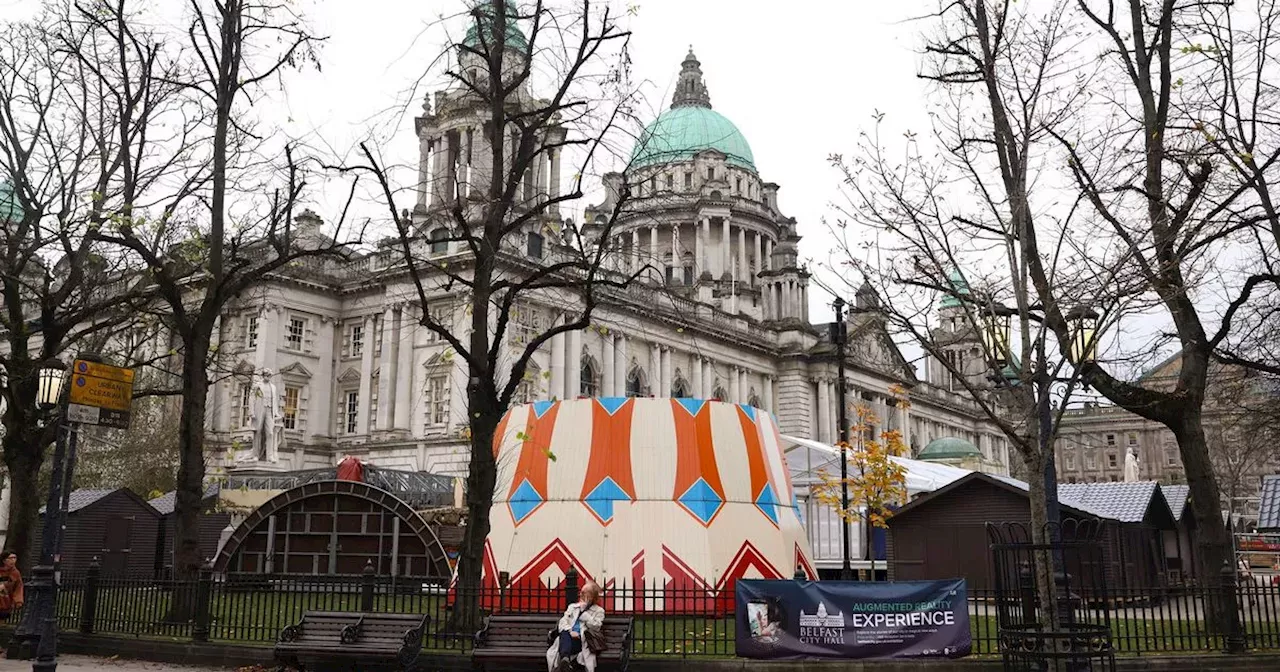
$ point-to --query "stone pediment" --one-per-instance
(351, 375)
(295, 370)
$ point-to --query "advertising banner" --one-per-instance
(849, 619)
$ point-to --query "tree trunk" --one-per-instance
(1211, 536)
(481, 480)
(24, 502)
(190, 490)
(1042, 562)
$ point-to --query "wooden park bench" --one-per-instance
(323, 637)
(521, 640)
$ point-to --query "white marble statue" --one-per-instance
(1131, 474)
(267, 421)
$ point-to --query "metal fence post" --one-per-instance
(89, 605)
(366, 586)
(204, 588)
(504, 582)
(571, 586)
(1234, 636)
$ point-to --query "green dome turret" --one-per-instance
(515, 38)
(690, 127)
(948, 448)
(10, 209)
(958, 286)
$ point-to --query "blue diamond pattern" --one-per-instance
(694, 406)
(601, 500)
(524, 501)
(701, 501)
(540, 408)
(749, 410)
(767, 502)
(612, 404)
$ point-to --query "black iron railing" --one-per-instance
(669, 621)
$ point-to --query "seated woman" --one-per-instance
(572, 630)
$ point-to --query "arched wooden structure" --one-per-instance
(334, 528)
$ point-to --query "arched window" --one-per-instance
(589, 386)
(680, 388)
(636, 386)
(440, 241)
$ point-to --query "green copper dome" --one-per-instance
(515, 37)
(690, 126)
(681, 132)
(947, 448)
(10, 210)
(959, 286)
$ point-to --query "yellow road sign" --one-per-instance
(100, 386)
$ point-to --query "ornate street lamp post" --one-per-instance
(840, 336)
(37, 634)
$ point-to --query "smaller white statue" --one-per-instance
(1131, 474)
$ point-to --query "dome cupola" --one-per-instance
(690, 126)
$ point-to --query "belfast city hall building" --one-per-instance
(722, 313)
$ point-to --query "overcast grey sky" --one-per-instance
(799, 79)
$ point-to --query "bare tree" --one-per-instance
(61, 286)
(948, 223)
(230, 223)
(489, 211)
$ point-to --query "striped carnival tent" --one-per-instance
(679, 496)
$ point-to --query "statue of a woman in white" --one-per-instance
(1131, 474)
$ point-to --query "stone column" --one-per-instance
(635, 249)
(742, 257)
(557, 362)
(553, 185)
(620, 366)
(755, 268)
(653, 252)
(695, 373)
(803, 313)
(704, 263)
(824, 411)
(735, 394)
(677, 264)
(573, 365)
(366, 377)
(726, 264)
(387, 369)
(320, 418)
(404, 367)
(424, 171)
(665, 391)
(744, 389)
(607, 380)
(698, 250)
(767, 399)
(655, 368)
(768, 254)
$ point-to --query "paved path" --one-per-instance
(88, 664)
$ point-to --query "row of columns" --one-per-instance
(461, 157)
(615, 364)
(395, 365)
(786, 298)
(761, 260)
(883, 406)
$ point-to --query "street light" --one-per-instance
(1082, 323)
(37, 634)
(840, 337)
(53, 376)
